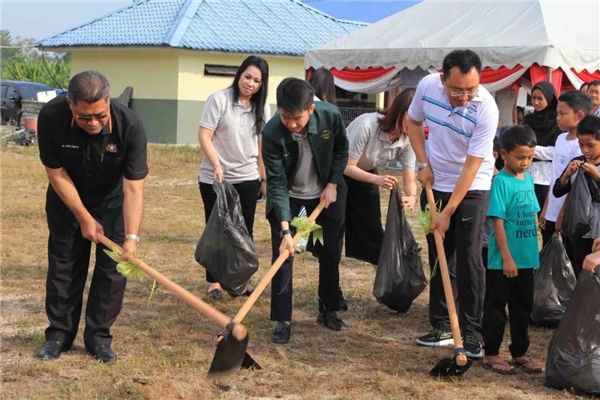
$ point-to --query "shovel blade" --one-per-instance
(449, 367)
(249, 362)
(229, 356)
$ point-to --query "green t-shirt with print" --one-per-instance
(514, 201)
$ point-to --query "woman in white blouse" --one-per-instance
(230, 137)
(376, 140)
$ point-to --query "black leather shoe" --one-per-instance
(282, 333)
(343, 303)
(331, 321)
(52, 350)
(104, 353)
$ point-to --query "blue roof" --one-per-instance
(240, 26)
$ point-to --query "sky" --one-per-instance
(43, 18)
(40, 19)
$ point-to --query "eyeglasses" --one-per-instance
(462, 92)
(90, 117)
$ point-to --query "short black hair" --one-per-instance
(589, 125)
(465, 60)
(88, 86)
(577, 100)
(593, 83)
(517, 136)
(294, 95)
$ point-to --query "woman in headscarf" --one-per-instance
(543, 122)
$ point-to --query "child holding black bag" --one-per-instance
(588, 133)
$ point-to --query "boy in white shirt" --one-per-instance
(572, 107)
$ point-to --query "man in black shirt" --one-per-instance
(94, 153)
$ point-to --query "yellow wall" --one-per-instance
(194, 85)
(174, 74)
(153, 74)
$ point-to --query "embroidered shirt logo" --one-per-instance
(70, 146)
(325, 134)
(111, 148)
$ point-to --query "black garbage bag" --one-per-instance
(225, 248)
(578, 208)
(400, 277)
(573, 360)
(553, 284)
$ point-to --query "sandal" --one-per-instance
(492, 366)
(527, 364)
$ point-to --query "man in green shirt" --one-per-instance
(305, 151)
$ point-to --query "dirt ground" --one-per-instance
(165, 349)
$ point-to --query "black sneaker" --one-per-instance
(472, 347)
(282, 333)
(330, 320)
(436, 338)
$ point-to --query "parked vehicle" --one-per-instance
(12, 93)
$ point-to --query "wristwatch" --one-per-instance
(132, 236)
(284, 232)
(421, 165)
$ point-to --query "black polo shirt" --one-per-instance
(95, 163)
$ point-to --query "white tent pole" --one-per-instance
(549, 77)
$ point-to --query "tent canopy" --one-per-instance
(558, 34)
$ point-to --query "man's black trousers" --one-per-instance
(331, 220)
(462, 245)
(68, 263)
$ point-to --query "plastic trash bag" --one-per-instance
(400, 277)
(578, 208)
(573, 360)
(225, 248)
(553, 284)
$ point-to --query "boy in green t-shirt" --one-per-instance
(512, 254)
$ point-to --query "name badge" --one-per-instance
(111, 148)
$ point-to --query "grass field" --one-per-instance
(165, 350)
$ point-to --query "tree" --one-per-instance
(21, 61)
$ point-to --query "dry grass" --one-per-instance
(165, 351)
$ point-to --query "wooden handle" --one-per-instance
(273, 270)
(239, 330)
(461, 359)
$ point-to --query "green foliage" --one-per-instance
(52, 72)
(305, 226)
(21, 61)
(128, 270)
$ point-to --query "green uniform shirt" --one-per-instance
(327, 137)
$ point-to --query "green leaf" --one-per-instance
(125, 268)
(305, 227)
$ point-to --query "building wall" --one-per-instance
(153, 74)
(169, 85)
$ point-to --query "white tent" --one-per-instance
(561, 34)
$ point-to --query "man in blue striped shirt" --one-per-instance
(462, 118)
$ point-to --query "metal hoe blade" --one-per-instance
(449, 367)
(231, 354)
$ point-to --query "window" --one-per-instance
(220, 70)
